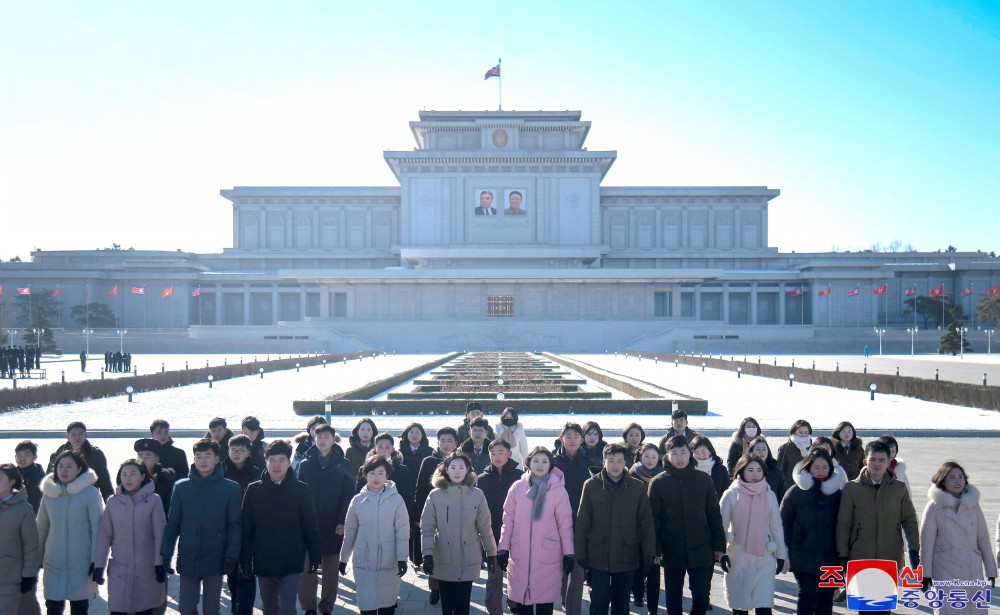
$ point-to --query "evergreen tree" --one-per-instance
(932, 309)
(37, 313)
(101, 316)
(952, 342)
(989, 311)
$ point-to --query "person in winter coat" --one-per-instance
(954, 541)
(848, 449)
(69, 519)
(131, 532)
(251, 429)
(536, 539)
(205, 515)
(360, 443)
(218, 430)
(678, 427)
(473, 411)
(456, 529)
(76, 441)
(614, 536)
(646, 582)
(414, 447)
(376, 533)
(495, 482)
(896, 465)
(328, 474)
(633, 435)
(148, 452)
(477, 446)
(809, 518)
(20, 556)
(689, 535)
(740, 445)
(511, 431)
(280, 530)
(32, 473)
(593, 440)
(170, 456)
(708, 461)
(575, 465)
(873, 509)
(755, 536)
(385, 445)
(775, 479)
(793, 451)
(305, 441)
(240, 468)
(447, 439)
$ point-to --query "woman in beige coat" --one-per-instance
(456, 528)
(19, 555)
(377, 532)
(954, 541)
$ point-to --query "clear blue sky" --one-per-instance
(121, 121)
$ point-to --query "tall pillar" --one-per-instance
(697, 302)
(753, 303)
(781, 304)
(315, 229)
(725, 302)
(218, 304)
(262, 229)
(246, 304)
(302, 303)
(274, 304)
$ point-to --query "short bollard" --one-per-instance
(163, 367)
(838, 366)
(13, 381)
(129, 390)
(897, 370)
(261, 370)
(64, 376)
(211, 379)
(102, 373)
(702, 367)
(866, 368)
(984, 379)
(791, 379)
(873, 386)
(739, 373)
(937, 374)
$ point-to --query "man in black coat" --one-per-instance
(148, 451)
(170, 456)
(280, 530)
(689, 534)
(32, 473)
(477, 446)
(239, 468)
(495, 482)
(575, 466)
(76, 440)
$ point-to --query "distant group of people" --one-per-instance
(117, 361)
(17, 361)
(288, 518)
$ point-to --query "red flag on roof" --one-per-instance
(824, 292)
(851, 292)
(55, 293)
(967, 291)
(911, 291)
(24, 290)
(138, 290)
(167, 292)
(196, 292)
(937, 292)
(795, 292)
(113, 291)
(880, 290)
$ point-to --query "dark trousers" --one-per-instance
(415, 555)
(386, 611)
(762, 611)
(609, 590)
(146, 612)
(699, 582)
(242, 593)
(76, 607)
(647, 584)
(535, 609)
(813, 599)
(455, 597)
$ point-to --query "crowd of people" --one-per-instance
(287, 519)
(17, 361)
(117, 361)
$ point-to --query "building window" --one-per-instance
(687, 305)
(339, 305)
(500, 305)
(663, 304)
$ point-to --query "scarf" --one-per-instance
(751, 517)
(802, 442)
(539, 485)
(706, 465)
(647, 475)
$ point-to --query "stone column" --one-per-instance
(697, 302)
(725, 303)
(274, 304)
(218, 304)
(781, 304)
(262, 229)
(753, 303)
(246, 304)
(302, 303)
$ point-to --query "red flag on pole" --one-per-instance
(795, 292)
(24, 290)
(1, 290)
(824, 292)
(493, 72)
(851, 292)
(167, 292)
(937, 292)
(196, 292)
(55, 293)
(138, 290)
(967, 291)
(880, 290)
(911, 291)
(994, 290)
(113, 291)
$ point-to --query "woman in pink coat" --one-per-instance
(536, 540)
(131, 530)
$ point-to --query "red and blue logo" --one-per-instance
(872, 585)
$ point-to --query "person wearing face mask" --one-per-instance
(756, 541)
(809, 518)
(709, 462)
(742, 437)
(848, 449)
(510, 430)
(954, 540)
(794, 450)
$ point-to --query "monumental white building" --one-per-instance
(500, 234)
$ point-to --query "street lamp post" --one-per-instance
(989, 340)
(879, 333)
(13, 334)
(121, 340)
(38, 337)
(913, 333)
(962, 332)
(88, 333)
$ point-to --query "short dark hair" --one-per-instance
(877, 446)
(158, 423)
(76, 425)
(278, 447)
(13, 474)
(678, 414)
(648, 446)
(571, 426)
(890, 441)
(133, 462)
(513, 192)
(76, 457)
(455, 455)
(446, 431)
(840, 427)
(743, 426)
(744, 461)
(499, 442)
(354, 432)
(541, 450)
(217, 422)
(615, 448)
(676, 442)
(942, 473)
(251, 422)
(593, 426)
(480, 422)
(322, 428)
(800, 423)
(373, 463)
(385, 435)
(314, 421)
(241, 440)
(473, 405)
(26, 445)
(206, 444)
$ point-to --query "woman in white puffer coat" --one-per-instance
(954, 541)
(510, 430)
(756, 549)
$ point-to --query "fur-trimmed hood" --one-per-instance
(805, 481)
(440, 480)
(52, 488)
(969, 499)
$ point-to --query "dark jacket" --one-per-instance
(662, 445)
(96, 460)
(809, 517)
(463, 432)
(332, 485)
(576, 471)
(257, 450)
(223, 444)
(401, 478)
(480, 461)
(205, 514)
(495, 484)
(163, 485)
(32, 478)
(687, 517)
(719, 474)
(422, 486)
(851, 458)
(357, 452)
(614, 526)
(249, 473)
(175, 459)
(279, 527)
(737, 448)
(788, 456)
(775, 478)
(412, 459)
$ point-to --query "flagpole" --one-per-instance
(500, 87)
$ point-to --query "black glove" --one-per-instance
(491, 563)
(927, 584)
(342, 567)
(724, 563)
(161, 574)
(586, 577)
(781, 564)
(27, 583)
(568, 564)
(246, 571)
(647, 563)
(228, 566)
(914, 558)
(503, 559)
(428, 564)
(401, 565)
(313, 568)
(843, 563)
(583, 564)
(97, 574)
(993, 582)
